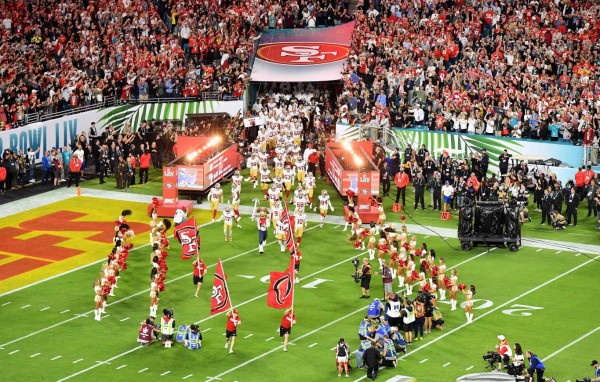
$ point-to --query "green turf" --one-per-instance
(529, 277)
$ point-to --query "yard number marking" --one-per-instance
(521, 310)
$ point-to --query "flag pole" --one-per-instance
(294, 250)
(226, 286)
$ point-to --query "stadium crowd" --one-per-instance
(526, 69)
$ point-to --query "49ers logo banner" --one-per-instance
(302, 55)
(221, 301)
(281, 288)
(186, 234)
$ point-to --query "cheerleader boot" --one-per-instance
(408, 289)
(371, 254)
(362, 246)
(468, 318)
(112, 288)
(471, 317)
(442, 294)
(346, 226)
(453, 305)
(103, 307)
(377, 227)
(380, 262)
(400, 281)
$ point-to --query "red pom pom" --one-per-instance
(462, 286)
(414, 275)
(427, 288)
(402, 217)
(434, 270)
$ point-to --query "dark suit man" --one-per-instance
(371, 358)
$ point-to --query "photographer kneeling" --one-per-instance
(193, 338)
(504, 350)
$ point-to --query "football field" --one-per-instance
(542, 296)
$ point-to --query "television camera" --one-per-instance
(356, 275)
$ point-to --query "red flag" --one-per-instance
(187, 234)
(289, 223)
(281, 288)
(221, 300)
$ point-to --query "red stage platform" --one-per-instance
(167, 210)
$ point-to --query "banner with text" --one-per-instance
(60, 132)
(302, 55)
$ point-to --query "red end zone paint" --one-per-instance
(298, 53)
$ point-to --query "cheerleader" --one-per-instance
(153, 298)
(371, 244)
(351, 213)
(453, 288)
(106, 287)
(469, 301)
(401, 266)
(422, 281)
(441, 275)
(394, 258)
(97, 300)
(357, 238)
(110, 275)
(412, 245)
(381, 217)
(430, 262)
(121, 220)
(409, 269)
(382, 250)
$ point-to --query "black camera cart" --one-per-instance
(489, 223)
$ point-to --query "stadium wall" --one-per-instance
(60, 131)
(463, 145)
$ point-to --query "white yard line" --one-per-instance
(124, 319)
(13, 352)
(65, 311)
(120, 367)
(469, 368)
(249, 335)
(46, 308)
(571, 343)
(312, 345)
(269, 339)
(144, 369)
(165, 373)
(446, 364)
(424, 360)
(25, 306)
(187, 376)
(79, 360)
(55, 358)
(6, 303)
(34, 355)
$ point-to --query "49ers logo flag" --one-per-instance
(221, 301)
(281, 288)
(288, 221)
(187, 234)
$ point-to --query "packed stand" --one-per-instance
(518, 69)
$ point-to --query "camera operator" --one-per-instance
(536, 367)
(375, 310)
(596, 370)
(393, 310)
(518, 362)
(167, 327)
(193, 338)
(408, 320)
(365, 278)
(504, 350)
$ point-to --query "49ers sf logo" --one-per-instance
(289, 53)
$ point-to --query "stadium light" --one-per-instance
(359, 162)
(347, 145)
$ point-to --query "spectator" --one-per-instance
(144, 166)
